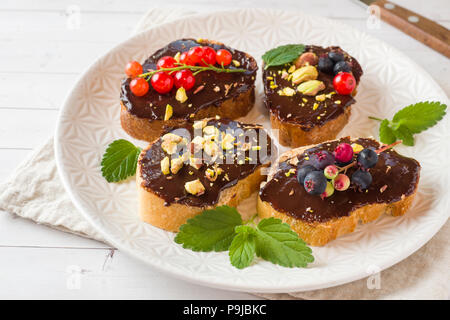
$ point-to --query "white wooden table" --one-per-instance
(41, 55)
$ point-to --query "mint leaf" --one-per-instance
(212, 230)
(282, 54)
(242, 249)
(386, 133)
(420, 116)
(277, 243)
(120, 160)
(412, 119)
(402, 132)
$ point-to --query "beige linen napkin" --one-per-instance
(35, 192)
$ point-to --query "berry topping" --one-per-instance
(184, 59)
(341, 182)
(331, 171)
(184, 78)
(315, 183)
(325, 64)
(162, 82)
(133, 69)
(321, 159)
(166, 62)
(362, 179)
(344, 83)
(195, 55)
(303, 171)
(367, 158)
(336, 56)
(343, 153)
(341, 66)
(209, 56)
(139, 86)
(329, 190)
(223, 57)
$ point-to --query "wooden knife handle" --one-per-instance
(426, 31)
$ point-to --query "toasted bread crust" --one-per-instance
(150, 130)
(320, 233)
(152, 209)
(293, 135)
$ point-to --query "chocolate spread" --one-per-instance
(153, 105)
(299, 109)
(394, 177)
(171, 187)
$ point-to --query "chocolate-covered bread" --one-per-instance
(197, 166)
(305, 118)
(228, 95)
(321, 219)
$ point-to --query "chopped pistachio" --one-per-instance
(236, 63)
(176, 164)
(195, 187)
(177, 56)
(165, 165)
(169, 112)
(181, 95)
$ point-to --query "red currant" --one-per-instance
(139, 86)
(184, 59)
(343, 153)
(162, 82)
(133, 69)
(209, 56)
(344, 83)
(166, 62)
(223, 57)
(195, 55)
(184, 78)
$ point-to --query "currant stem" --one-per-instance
(375, 118)
(377, 151)
(388, 146)
(197, 70)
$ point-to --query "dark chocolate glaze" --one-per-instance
(290, 109)
(400, 174)
(171, 187)
(153, 105)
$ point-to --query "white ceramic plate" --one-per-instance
(89, 121)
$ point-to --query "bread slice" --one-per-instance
(317, 226)
(170, 206)
(304, 118)
(227, 95)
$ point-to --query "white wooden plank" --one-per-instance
(54, 25)
(337, 8)
(19, 232)
(35, 91)
(91, 274)
(26, 128)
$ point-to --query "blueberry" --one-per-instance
(336, 56)
(303, 171)
(341, 66)
(315, 182)
(325, 64)
(321, 159)
(367, 158)
(362, 179)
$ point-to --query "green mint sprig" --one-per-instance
(410, 120)
(120, 160)
(282, 54)
(222, 229)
